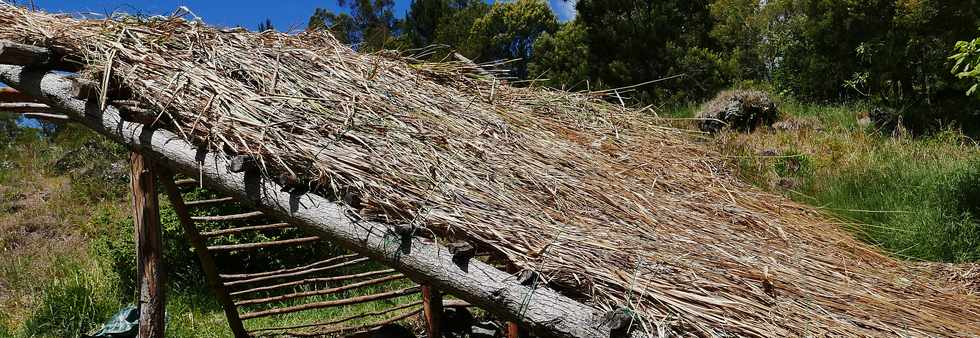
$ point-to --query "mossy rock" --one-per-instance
(741, 110)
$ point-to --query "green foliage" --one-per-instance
(635, 41)
(967, 65)
(562, 58)
(340, 25)
(81, 296)
(455, 28)
(914, 198)
(371, 25)
(423, 19)
(508, 32)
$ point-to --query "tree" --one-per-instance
(266, 26)
(967, 65)
(340, 25)
(370, 26)
(423, 19)
(562, 58)
(508, 31)
(635, 41)
(455, 29)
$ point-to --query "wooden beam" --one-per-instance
(26, 107)
(207, 262)
(546, 312)
(333, 303)
(222, 218)
(149, 247)
(223, 232)
(341, 320)
(313, 280)
(297, 273)
(259, 245)
(432, 305)
(319, 292)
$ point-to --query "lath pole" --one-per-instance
(201, 248)
(149, 247)
(432, 305)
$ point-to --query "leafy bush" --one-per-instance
(967, 65)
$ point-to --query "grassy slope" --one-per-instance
(916, 198)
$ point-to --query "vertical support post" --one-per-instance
(203, 255)
(513, 330)
(432, 306)
(149, 247)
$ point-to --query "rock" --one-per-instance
(741, 110)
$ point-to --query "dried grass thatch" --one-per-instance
(607, 204)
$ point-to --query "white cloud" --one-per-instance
(565, 9)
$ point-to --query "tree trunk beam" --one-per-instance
(333, 303)
(546, 312)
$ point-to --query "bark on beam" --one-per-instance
(546, 312)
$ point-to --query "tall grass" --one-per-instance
(915, 198)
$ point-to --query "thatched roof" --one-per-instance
(611, 207)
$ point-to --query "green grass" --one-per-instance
(73, 265)
(915, 198)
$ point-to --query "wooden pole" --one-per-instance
(207, 262)
(513, 330)
(149, 247)
(432, 305)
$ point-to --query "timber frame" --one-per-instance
(542, 311)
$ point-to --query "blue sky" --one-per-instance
(285, 14)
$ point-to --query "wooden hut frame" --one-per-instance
(543, 311)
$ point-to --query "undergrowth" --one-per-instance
(915, 197)
(69, 259)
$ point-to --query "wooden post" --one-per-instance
(513, 330)
(432, 305)
(200, 248)
(149, 247)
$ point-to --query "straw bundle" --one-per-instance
(606, 204)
